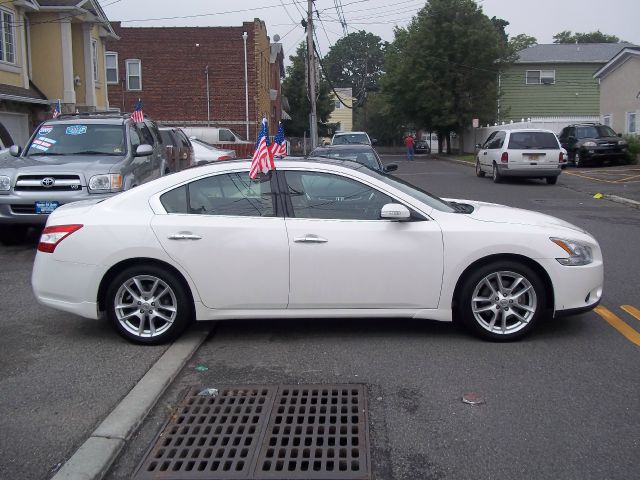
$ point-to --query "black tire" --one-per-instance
(552, 180)
(578, 161)
(495, 174)
(13, 234)
(506, 306)
(146, 307)
(479, 171)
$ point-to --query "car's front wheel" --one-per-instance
(495, 174)
(502, 301)
(147, 304)
(479, 171)
(578, 161)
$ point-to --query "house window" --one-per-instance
(94, 58)
(134, 75)
(7, 41)
(631, 122)
(111, 62)
(537, 77)
(606, 120)
(338, 104)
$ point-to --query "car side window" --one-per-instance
(226, 135)
(498, 140)
(488, 141)
(183, 139)
(134, 136)
(147, 135)
(328, 196)
(231, 194)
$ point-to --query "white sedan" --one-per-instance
(315, 239)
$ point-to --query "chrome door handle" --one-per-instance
(310, 239)
(184, 236)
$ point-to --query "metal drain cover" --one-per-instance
(264, 432)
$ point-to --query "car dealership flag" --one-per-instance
(137, 115)
(57, 110)
(279, 147)
(262, 160)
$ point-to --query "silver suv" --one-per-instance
(75, 157)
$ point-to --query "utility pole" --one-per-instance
(311, 75)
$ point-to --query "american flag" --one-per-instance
(57, 110)
(262, 160)
(137, 115)
(279, 147)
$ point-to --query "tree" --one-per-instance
(567, 36)
(521, 41)
(357, 61)
(442, 69)
(294, 88)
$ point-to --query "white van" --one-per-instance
(214, 135)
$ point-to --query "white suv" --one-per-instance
(351, 138)
(532, 153)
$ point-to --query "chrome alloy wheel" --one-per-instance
(145, 306)
(503, 302)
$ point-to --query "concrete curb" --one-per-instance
(94, 458)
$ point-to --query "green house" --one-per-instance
(554, 81)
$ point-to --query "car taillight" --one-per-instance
(224, 157)
(561, 157)
(52, 236)
(505, 157)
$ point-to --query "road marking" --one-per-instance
(633, 311)
(628, 176)
(617, 323)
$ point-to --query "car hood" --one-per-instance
(600, 139)
(52, 164)
(495, 213)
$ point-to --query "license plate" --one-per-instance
(46, 207)
(532, 157)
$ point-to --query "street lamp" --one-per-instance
(246, 84)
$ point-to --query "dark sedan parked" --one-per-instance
(364, 154)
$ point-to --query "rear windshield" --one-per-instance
(365, 157)
(351, 139)
(595, 131)
(78, 139)
(533, 140)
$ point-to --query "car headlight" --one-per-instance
(589, 144)
(109, 182)
(579, 253)
(5, 183)
(622, 142)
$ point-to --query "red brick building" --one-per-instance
(168, 68)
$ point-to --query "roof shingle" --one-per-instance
(571, 53)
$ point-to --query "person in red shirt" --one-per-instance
(409, 142)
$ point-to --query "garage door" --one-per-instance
(17, 124)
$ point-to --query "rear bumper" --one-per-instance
(529, 172)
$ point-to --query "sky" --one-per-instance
(539, 18)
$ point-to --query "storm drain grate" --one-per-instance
(264, 432)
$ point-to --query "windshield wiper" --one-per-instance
(43, 154)
(94, 152)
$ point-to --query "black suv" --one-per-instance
(592, 143)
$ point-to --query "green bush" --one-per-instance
(633, 146)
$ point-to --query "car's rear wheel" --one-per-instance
(552, 180)
(479, 171)
(502, 301)
(147, 304)
(497, 178)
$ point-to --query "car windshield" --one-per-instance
(196, 142)
(351, 139)
(595, 131)
(413, 191)
(364, 157)
(78, 139)
(533, 140)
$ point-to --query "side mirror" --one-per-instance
(144, 150)
(15, 150)
(392, 167)
(395, 211)
(620, 135)
(479, 146)
(374, 141)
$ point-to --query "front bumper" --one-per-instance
(593, 154)
(19, 208)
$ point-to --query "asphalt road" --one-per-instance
(562, 404)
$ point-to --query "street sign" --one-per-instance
(476, 123)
